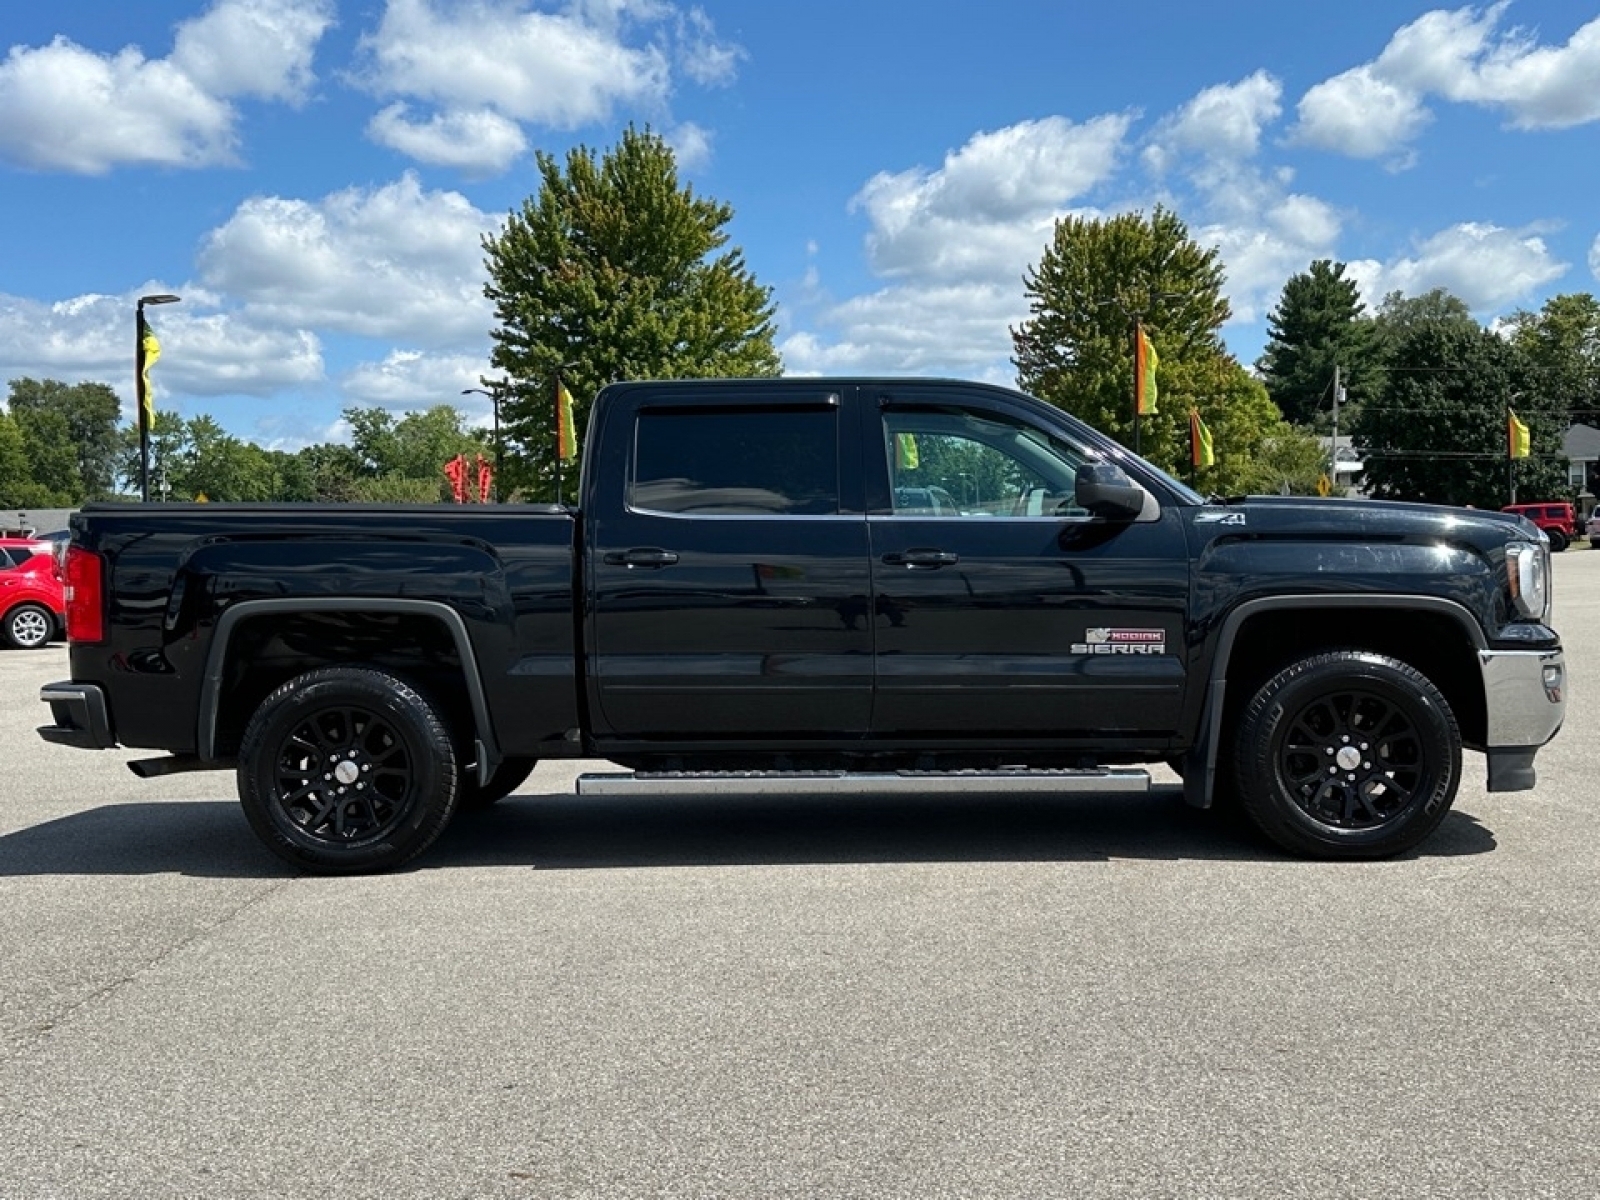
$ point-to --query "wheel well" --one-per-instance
(1429, 641)
(267, 650)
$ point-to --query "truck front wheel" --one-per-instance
(1348, 755)
(347, 769)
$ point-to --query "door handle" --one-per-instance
(921, 559)
(650, 557)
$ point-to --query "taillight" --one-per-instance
(85, 586)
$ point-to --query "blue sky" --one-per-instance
(314, 176)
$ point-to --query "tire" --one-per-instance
(1348, 755)
(505, 780)
(1558, 540)
(29, 626)
(345, 770)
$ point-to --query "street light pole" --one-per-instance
(144, 410)
(496, 389)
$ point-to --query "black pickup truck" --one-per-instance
(819, 585)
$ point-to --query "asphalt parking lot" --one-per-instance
(1092, 997)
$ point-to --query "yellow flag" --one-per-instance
(1519, 442)
(905, 451)
(147, 402)
(1144, 374)
(1201, 451)
(566, 434)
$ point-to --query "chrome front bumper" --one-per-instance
(1526, 695)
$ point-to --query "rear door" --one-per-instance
(727, 560)
(1002, 610)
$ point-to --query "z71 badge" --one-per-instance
(1121, 641)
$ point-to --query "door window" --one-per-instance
(959, 463)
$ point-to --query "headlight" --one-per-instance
(1528, 572)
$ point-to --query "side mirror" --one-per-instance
(1106, 491)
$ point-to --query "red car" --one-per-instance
(33, 605)
(1557, 518)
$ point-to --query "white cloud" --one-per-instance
(1375, 110)
(1436, 52)
(989, 210)
(393, 262)
(72, 109)
(90, 338)
(1486, 266)
(1361, 114)
(552, 68)
(959, 329)
(413, 381)
(253, 47)
(1262, 249)
(1546, 88)
(706, 59)
(1594, 257)
(691, 146)
(509, 68)
(1225, 121)
(478, 142)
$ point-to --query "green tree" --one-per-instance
(413, 449)
(52, 458)
(1094, 280)
(17, 486)
(92, 414)
(1562, 343)
(1436, 431)
(1289, 460)
(169, 442)
(1318, 325)
(331, 472)
(218, 466)
(1235, 407)
(614, 271)
(1399, 315)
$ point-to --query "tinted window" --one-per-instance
(713, 461)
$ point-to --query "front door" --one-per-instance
(1002, 610)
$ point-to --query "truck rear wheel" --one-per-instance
(347, 769)
(1348, 755)
(505, 780)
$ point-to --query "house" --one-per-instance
(1348, 469)
(1581, 445)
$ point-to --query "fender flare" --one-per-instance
(1200, 763)
(486, 744)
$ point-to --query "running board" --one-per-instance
(847, 783)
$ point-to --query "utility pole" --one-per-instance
(1333, 447)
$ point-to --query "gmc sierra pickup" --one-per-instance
(846, 585)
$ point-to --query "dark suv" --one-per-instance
(1559, 522)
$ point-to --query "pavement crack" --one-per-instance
(42, 1031)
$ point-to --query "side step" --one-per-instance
(847, 783)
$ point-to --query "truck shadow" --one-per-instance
(569, 832)
(209, 838)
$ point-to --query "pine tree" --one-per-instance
(1318, 325)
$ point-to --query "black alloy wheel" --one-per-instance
(1348, 755)
(347, 769)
